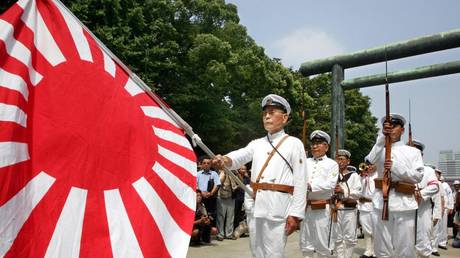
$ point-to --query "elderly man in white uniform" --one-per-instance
(395, 237)
(315, 231)
(278, 180)
(439, 201)
(425, 191)
(366, 208)
(448, 209)
(347, 192)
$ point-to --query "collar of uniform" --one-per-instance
(346, 172)
(319, 158)
(398, 143)
(276, 135)
(206, 172)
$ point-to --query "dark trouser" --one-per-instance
(211, 208)
(239, 213)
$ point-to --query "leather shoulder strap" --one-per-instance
(270, 157)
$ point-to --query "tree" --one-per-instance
(201, 61)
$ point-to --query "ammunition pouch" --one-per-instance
(317, 204)
(400, 187)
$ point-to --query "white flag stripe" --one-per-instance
(12, 153)
(13, 82)
(66, 238)
(122, 237)
(44, 41)
(177, 159)
(17, 50)
(23, 3)
(172, 137)
(182, 191)
(157, 112)
(78, 36)
(109, 64)
(132, 88)
(17, 210)
(12, 113)
(175, 239)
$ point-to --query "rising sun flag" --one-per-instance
(90, 164)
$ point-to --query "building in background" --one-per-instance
(449, 164)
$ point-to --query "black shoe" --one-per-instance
(365, 256)
(435, 254)
(442, 247)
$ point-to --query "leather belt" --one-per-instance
(272, 187)
(317, 204)
(399, 186)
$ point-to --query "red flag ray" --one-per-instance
(147, 231)
(35, 205)
(95, 224)
(117, 167)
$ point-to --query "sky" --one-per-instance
(297, 31)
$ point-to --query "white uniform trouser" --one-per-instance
(314, 233)
(443, 231)
(345, 233)
(394, 237)
(365, 219)
(225, 215)
(438, 232)
(252, 232)
(267, 237)
(424, 229)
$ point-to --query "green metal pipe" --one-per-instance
(405, 75)
(417, 46)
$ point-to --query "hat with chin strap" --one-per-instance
(277, 101)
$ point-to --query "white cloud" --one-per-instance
(305, 44)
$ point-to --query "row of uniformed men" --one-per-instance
(282, 177)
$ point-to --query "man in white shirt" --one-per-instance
(347, 192)
(365, 207)
(278, 179)
(439, 201)
(315, 230)
(448, 209)
(395, 237)
(425, 191)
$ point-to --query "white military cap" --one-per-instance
(456, 182)
(320, 134)
(395, 119)
(437, 171)
(343, 152)
(418, 144)
(430, 165)
(275, 100)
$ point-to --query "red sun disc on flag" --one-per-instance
(90, 165)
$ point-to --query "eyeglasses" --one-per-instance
(272, 112)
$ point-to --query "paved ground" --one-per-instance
(240, 249)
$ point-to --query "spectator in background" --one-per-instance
(456, 226)
(201, 224)
(225, 207)
(243, 175)
(208, 183)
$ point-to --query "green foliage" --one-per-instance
(196, 55)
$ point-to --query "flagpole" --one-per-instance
(171, 113)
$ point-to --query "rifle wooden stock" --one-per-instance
(387, 173)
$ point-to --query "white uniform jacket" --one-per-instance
(407, 167)
(429, 185)
(323, 175)
(351, 187)
(274, 205)
(368, 189)
(449, 199)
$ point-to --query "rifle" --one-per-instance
(387, 173)
(304, 128)
(335, 198)
(409, 142)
